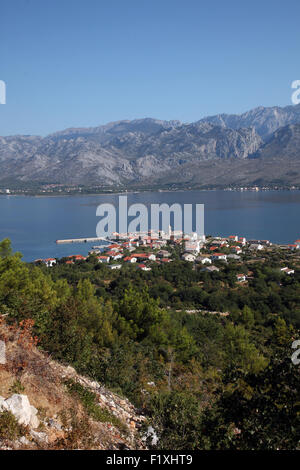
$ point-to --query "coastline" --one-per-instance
(142, 191)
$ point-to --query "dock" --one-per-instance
(81, 240)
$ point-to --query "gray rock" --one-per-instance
(2, 352)
(151, 436)
(23, 440)
(54, 424)
(39, 436)
(20, 407)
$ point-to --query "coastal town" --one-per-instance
(208, 253)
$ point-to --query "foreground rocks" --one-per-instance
(34, 390)
(20, 407)
(121, 407)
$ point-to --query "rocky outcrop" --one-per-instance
(20, 407)
(121, 407)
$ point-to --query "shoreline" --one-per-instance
(141, 191)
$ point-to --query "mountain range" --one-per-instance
(260, 147)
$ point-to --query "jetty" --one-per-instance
(81, 240)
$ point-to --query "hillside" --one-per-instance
(70, 411)
(283, 145)
(182, 341)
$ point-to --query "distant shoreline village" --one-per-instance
(145, 249)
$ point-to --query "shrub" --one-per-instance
(9, 426)
(16, 387)
(92, 407)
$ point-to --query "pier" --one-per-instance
(81, 240)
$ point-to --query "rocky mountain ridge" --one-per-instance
(147, 152)
(264, 120)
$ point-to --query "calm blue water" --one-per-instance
(34, 223)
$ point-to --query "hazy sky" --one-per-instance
(71, 63)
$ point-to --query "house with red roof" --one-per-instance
(236, 249)
(130, 259)
(114, 255)
(80, 258)
(148, 256)
(117, 256)
(103, 259)
(143, 267)
(77, 257)
(49, 262)
(114, 247)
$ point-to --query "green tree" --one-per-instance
(257, 411)
(176, 418)
(5, 248)
(247, 317)
(239, 352)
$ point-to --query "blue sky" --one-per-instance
(72, 63)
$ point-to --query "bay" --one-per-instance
(35, 223)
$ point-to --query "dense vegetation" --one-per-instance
(206, 381)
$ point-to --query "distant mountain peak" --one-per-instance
(219, 149)
(264, 120)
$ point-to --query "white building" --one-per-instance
(103, 259)
(236, 249)
(143, 267)
(193, 246)
(203, 260)
(256, 247)
(49, 262)
(130, 259)
(234, 256)
(211, 269)
(219, 257)
(115, 266)
(287, 271)
(117, 256)
(188, 257)
(242, 240)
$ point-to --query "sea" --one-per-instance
(33, 224)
